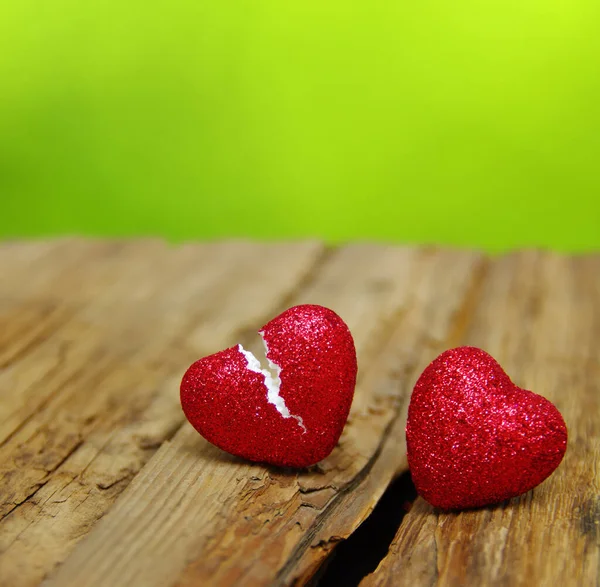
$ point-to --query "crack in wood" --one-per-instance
(309, 490)
(306, 541)
(37, 486)
(360, 553)
(14, 505)
(109, 484)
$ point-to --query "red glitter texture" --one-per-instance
(227, 403)
(474, 438)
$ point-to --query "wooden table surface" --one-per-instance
(103, 482)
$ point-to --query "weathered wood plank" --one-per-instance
(197, 516)
(539, 314)
(87, 404)
(94, 337)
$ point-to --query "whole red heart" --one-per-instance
(290, 416)
(474, 438)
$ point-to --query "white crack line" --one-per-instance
(273, 384)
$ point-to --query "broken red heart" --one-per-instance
(291, 415)
(474, 438)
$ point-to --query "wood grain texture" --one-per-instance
(88, 401)
(539, 314)
(102, 482)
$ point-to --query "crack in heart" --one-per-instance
(272, 381)
(290, 413)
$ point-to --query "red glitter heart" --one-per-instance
(474, 438)
(235, 404)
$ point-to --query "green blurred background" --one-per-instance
(466, 122)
